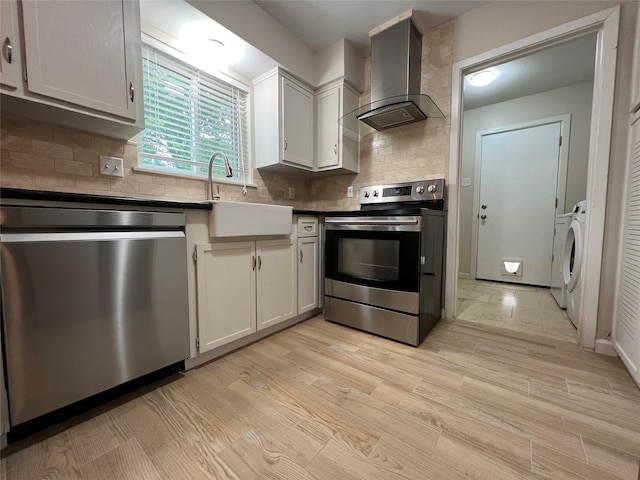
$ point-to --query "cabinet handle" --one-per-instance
(301, 256)
(308, 228)
(285, 143)
(8, 50)
(253, 261)
(259, 262)
(335, 149)
(132, 91)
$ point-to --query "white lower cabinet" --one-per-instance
(308, 263)
(307, 274)
(276, 281)
(226, 292)
(243, 287)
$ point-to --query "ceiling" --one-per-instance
(320, 23)
(565, 64)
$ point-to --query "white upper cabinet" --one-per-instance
(80, 64)
(297, 124)
(328, 104)
(76, 52)
(336, 148)
(284, 122)
(297, 127)
(9, 67)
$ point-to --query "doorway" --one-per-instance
(605, 27)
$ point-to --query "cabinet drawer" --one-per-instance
(307, 227)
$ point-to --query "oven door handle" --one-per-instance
(411, 221)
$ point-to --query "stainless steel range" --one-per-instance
(383, 271)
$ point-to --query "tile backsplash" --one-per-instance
(41, 156)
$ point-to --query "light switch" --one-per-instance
(466, 182)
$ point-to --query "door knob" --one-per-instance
(483, 217)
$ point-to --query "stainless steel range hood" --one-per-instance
(396, 56)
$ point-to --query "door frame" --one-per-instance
(561, 179)
(606, 24)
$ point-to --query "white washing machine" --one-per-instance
(572, 261)
(557, 287)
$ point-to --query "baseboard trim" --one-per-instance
(243, 342)
(464, 275)
(605, 347)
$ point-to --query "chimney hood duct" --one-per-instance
(396, 56)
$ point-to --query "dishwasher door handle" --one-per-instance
(85, 236)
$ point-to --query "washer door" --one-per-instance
(572, 261)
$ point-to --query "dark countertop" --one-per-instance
(316, 213)
(23, 194)
(42, 195)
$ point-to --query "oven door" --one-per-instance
(378, 252)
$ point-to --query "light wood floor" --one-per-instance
(321, 401)
(515, 307)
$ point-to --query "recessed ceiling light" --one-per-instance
(482, 78)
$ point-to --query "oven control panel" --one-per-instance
(422, 190)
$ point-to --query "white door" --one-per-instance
(276, 281)
(226, 292)
(517, 203)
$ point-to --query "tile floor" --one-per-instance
(516, 307)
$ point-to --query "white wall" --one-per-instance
(574, 100)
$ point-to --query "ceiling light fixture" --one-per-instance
(217, 44)
(482, 78)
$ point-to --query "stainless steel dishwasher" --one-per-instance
(90, 299)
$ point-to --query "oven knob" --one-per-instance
(432, 188)
(366, 194)
(420, 189)
(375, 193)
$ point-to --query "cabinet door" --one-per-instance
(83, 53)
(328, 128)
(226, 292)
(307, 274)
(297, 124)
(276, 281)
(626, 325)
(9, 70)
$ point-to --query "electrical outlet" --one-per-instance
(466, 182)
(292, 193)
(349, 191)
(111, 166)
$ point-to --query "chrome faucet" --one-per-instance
(227, 171)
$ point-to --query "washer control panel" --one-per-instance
(422, 190)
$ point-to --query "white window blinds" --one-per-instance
(189, 115)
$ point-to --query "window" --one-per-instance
(189, 115)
